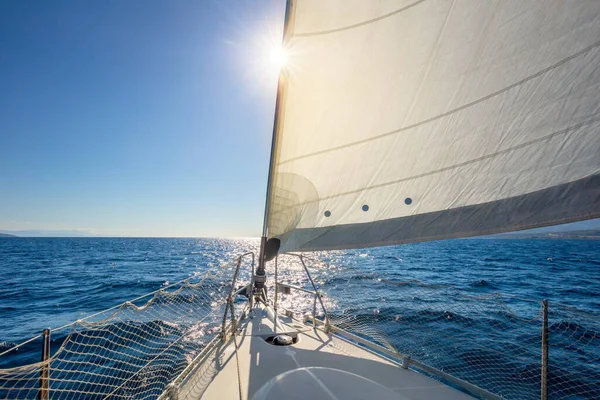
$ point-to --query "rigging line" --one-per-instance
(453, 111)
(459, 165)
(345, 28)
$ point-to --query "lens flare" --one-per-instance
(278, 57)
(260, 56)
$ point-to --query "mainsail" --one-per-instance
(403, 121)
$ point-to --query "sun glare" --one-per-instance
(263, 56)
(278, 57)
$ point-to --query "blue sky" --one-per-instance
(136, 118)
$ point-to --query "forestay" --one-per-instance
(406, 120)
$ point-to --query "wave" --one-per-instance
(580, 292)
(124, 339)
(5, 345)
(498, 259)
(483, 283)
(574, 331)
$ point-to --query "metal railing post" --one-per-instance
(43, 394)
(314, 309)
(544, 376)
(230, 299)
(405, 362)
(276, 292)
(317, 294)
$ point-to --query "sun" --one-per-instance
(278, 57)
(265, 58)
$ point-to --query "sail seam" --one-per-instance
(348, 27)
(459, 165)
(450, 112)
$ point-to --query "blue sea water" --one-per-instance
(49, 282)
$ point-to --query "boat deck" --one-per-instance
(317, 366)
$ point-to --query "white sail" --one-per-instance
(410, 120)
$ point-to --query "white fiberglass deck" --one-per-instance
(318, 366)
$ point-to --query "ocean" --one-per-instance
(49, 282)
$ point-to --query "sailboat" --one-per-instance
(411, 121)
(396, 122)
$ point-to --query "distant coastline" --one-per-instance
(7, 235)
(591, 234)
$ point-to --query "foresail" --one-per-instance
(405, 121)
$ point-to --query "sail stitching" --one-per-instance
(459, 165)
(450, 112)
(345, 28)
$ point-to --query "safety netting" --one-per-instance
(133, 350)
(491, 340)
(496, 342)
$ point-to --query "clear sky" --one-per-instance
(136, 118)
